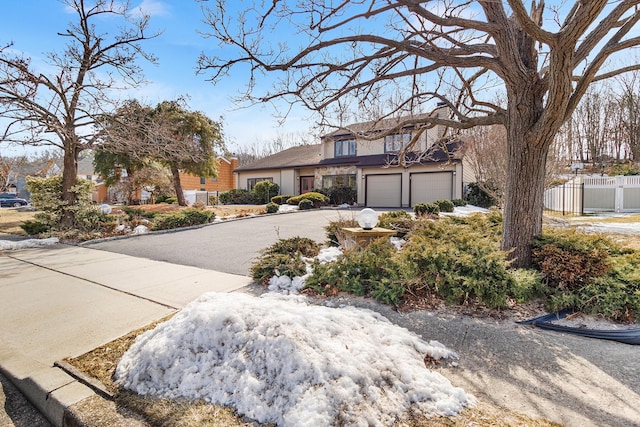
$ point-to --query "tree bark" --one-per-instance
(69, 178)
(178, 186)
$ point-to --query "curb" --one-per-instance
(51, 390)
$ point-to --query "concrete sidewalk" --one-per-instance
(63, 301)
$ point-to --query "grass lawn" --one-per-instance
(11, 218)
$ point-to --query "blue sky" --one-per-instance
(32, 26)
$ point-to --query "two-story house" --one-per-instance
(434, 169)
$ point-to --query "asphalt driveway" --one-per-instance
(230, 246)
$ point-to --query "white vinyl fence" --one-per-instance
(595, 194)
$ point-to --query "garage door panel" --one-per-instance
(431, 186)
(384, 190)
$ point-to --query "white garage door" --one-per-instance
(431, 186)
(383, 191)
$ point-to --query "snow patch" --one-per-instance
(277, 359)
(287, 208)
(8, 245)
(464, 211)
(288, 285)
(140, 229)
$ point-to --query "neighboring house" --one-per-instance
(436, 170)
(223, 182)
(86, 171)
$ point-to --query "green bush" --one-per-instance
(318, 199)
(341, 194)
(426, 209)
(280, 200)
(263, 191)
(460, 261)
(477, 196)
(34, 228)
(399, 221)
(459, 202)
(592, 274)
(444, 205)
(371, 271)
(137, 214)
(284, 258)
(272, 207)
(305, 204)
(171, 200)
(237, 196)
(183, 218)
(46, 195)
(626, 169)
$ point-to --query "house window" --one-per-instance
(251, 182)
(345, 147)
(329, 181)
(203, 180)
(396, 142)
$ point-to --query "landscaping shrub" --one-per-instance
(237, 196)
(592, 274)
(183, 218)
(318, 199)
(137, 214)
(341, 194)
(569, 260)
(426, 210)
(171, 200)
(459, 202)
(444, 205)
(477, 196)
(272, 207)
(626, 169)
(371, 271)
(399, 221)
(457, 261)
(305, 204)
(34, 227)
(335, 235)
(263, 191)
(46, 195)
(284, 258)
(280, 200)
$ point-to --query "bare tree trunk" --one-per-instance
(524, 198)
(69, 178)
(178, 186)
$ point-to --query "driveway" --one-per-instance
(229, 247)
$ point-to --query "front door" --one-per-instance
(306, 184)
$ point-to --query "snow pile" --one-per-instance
(612, 227)
(140, 229)
(8, 245)
(288, 285)
(287, 208)
(397, 242)
(465, 211)
(278, 360)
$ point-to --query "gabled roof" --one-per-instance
(294, 157)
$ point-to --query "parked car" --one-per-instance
(8, 195)
(12, 203)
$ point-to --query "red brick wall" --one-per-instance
(224, 182)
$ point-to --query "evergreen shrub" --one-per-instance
(272, 207)
(263, 191)
(183, 218)
(318, 199)
(284, 258)
(237, 196)
(444, 205)
(305, 204)
(280, 200)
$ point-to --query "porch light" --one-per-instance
(367, 218)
